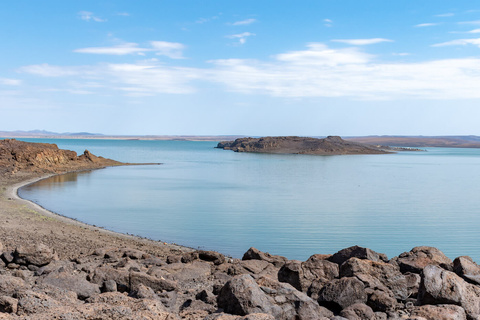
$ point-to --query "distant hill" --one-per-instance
(421, 141)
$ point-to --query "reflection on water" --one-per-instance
(292, 205)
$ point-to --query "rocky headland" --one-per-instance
(58, 269)
(332, 145)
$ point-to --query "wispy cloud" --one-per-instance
(205, 20)
(88, 16)
(422, 25)
(362, 42)
(444, 15)
(242, 37)
(459, 42)
(475, 22)
(10, 82)
(328, 22)
(123, 14)
(172, 50)
(474, 31)
(315, 71)
(244, 22)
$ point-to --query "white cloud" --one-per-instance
(244, 22)
(242, 37)
(87, 16)
(10, 82)
(401, 54)
(443, 15)
(172, 50)
(459, 42)
(315, 71)
(422, 25)
(476, 22)
(474, 31)
(123, 14)
(327, 20)
(362, 42)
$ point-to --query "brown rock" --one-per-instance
(253, 316)
(440, 286)
(157, 284)
(212, 256)
(8, 304)
(341, 293)
(72, 282)
(439, 312)
(419, 257)
(255, 254)
(258, 267)
(413, 283)
(105, 273)
(357, 252)
(39, 255)
(377, 275)
(11, 286)
(358, 311)
(302, 274)
(467, 269)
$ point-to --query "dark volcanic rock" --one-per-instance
(39, 255)
(467, 269)
(341, 293)
(255, 254)
(439, 312)
(331, 145)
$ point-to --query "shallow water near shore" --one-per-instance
(291, 205)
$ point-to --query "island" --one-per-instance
(331, 145)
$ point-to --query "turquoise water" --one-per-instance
(292, 205)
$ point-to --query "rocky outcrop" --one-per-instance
(331, 145)
(123, 283)
(23, 156)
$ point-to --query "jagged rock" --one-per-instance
(358, 311)
(302, 274)
(439, 312)
(253, 316)
(31, 302)
(8, 304)
(73, 282)
(419, 257)
(206, 296)
(242, 296)
(258, 268)
(157, 284)
(212, 256)
(39, 255)
(357, 252)
(143, 292)
(439, 286)
(467, 269)
(341, 293)
(255, 254)
(105, 273)
(377, 275)
(134, 254)
(7, 257)
(11, 286)
(413, 283)
(382, 301)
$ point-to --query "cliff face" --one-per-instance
(45, 158)
(331, 145)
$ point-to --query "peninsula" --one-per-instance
(331, 145)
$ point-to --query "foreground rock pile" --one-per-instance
(122, 283)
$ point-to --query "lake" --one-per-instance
(291, 205)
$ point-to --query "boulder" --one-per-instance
(413, 283)
(243, 295)
(105, 273)
(439, 286)
(211, 256)
(72, 282)
(302, 274)
(8, 304)
(157, 284)
(253, 316)
(255, 254)
(467, 269)
(439, 312)
(358, 311)
(357, 252)
(257, 267)
(419, 257)
(338, 294)
(377, 275)
(39, 255)
(11, 286)
(7, 257)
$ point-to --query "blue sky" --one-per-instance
(343, 67)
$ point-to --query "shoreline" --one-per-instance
(15, 208)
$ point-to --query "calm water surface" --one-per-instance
(292, 205)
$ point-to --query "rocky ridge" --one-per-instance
(26, 157)
(332, 145)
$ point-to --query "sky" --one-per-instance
(217, 67)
